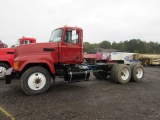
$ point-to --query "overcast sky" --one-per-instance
(113, 20)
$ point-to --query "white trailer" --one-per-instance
(124, 57)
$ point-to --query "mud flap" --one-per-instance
(9, 76)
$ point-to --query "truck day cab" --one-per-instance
(37, 64)
(7, 55)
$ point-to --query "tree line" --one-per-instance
(133, 45)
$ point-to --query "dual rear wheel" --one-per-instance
(137, 72)
(121, 73)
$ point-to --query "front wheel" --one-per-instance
(3, 68)
(35, 80)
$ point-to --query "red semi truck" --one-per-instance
(36, 65)
(7, 55)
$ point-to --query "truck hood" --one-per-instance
(4, 51)
(37, 48)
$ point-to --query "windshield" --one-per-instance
(18, 43)
(56, 35)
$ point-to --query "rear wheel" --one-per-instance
(100, 74)
(137, 72)
(3, 68)
(36, 80)
(121, 73)
(95, 74)
(113, 72)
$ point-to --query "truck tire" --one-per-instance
(100, 74)
(122, 74)
(137, 72)
(113, 78)
(3, 68)
(35, 80)
(95, 74)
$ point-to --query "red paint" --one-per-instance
(100, 56)
(93, 56)
(3, 45)
(7, 54)
(63, 52)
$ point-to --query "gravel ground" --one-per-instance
(86, 100)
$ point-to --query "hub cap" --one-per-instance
(36, 81)
(2, 71)
(139, 73)
(124, 74)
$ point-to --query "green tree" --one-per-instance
(87, 46)
(114, 45)
(105, 44)
(133, 45)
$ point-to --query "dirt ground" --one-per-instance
(85, 100)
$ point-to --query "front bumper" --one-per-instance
(9, 75)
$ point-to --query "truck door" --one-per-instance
(71, 47)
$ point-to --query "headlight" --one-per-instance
(16, 65)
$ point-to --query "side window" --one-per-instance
(68, 37)
(25, 42)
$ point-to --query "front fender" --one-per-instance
(35, 59)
